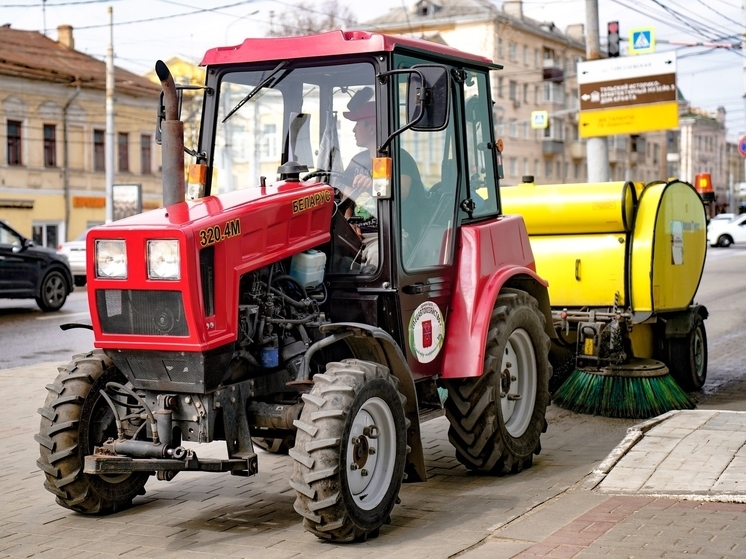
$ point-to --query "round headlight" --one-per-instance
(111, 259)
(164, 261)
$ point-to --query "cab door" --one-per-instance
(459, 169)
(426, 166)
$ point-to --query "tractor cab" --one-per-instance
(403, 136)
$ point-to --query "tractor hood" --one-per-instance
(156, 279)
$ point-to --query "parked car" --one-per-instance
(31, 271)
(74, 251)
(726, 233)
(721, 218)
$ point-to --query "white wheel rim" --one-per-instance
(518, 382)
(699, 353)
(369, 477)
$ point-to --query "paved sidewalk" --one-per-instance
(674, 487)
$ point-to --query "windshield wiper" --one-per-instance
(261, 85)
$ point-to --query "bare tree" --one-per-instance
(307, 18)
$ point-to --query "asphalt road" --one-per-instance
(29, 336)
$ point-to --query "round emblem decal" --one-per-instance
(426, 332)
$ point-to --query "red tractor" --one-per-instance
(323, 313)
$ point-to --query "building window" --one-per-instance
(269, 142)
(123, 150)
(526, 170)
(45, 234)
(512, 51)
(537, 59)
(554, 93)
(499, 87)
(525, 93)
(513, 91)
(537, 99)
(513, 128)
(499, 48)
(525, 55)
(50, 145)
(656, 154)
(99, 157)
(548, 169)
(146, 165)
(512, 166)
(14, 143)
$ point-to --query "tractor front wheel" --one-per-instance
(76, 418)
(497, 419)
(349, 451)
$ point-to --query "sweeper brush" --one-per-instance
(623, 262)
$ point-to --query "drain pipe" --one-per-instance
(172, 144)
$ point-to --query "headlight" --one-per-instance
(164, 261)
(111, 259)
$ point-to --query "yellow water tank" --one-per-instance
(641, 247)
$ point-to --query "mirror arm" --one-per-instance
(383, 78)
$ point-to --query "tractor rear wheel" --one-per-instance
(349, 451)
(688, 357)
(74, 419)
(497, 419)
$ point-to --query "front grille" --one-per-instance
(144, 313)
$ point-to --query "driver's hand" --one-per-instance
(362, 181)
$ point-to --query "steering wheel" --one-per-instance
(323, 173)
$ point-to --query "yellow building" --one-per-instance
(53, 128)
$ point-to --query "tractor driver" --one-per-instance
(359, 205)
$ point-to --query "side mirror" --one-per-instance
(428, 96)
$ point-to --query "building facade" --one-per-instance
(540, 74)
(53, 128)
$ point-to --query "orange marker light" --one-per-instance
(381, 175)
(196, 180)
(703, 186)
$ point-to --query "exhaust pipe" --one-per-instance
(172, 134)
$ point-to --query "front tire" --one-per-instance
(74, 419)
(688, 357)
(349, 451)
(53, 292)
(497, 419)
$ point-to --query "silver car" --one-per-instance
(74, 251)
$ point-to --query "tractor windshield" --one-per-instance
(282, 113)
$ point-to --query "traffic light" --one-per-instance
(613, 38)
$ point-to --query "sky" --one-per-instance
(147, 30)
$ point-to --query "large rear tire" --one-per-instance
(349, 451)
(74, 419)
(497, 419)
(687, 357)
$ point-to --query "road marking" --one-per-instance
(63, 316)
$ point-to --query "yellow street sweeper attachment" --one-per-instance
(623, 262)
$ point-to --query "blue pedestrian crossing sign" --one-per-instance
(641, 40)
(539, 119)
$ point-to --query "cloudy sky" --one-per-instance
(146, 30)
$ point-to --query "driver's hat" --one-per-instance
(368, 110)
(360, 106)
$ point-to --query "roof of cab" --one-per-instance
(333, 43)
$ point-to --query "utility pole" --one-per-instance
(109, 160)
(735, 195)
(597, 151)
(66, 159)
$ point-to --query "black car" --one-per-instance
(27, 271)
